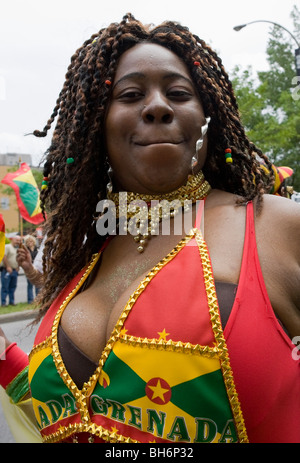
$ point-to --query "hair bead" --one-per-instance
(196, 63)
(45, 183)
(108, 82)
(228, 156)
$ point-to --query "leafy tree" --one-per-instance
(270, 102)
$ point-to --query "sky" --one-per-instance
(38, 37)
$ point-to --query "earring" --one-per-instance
(109, 186)
(199, 142)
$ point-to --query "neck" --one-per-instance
(140, 214)
(195, 188)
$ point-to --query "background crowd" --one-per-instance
(11, 270)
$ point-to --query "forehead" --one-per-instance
(150, 57)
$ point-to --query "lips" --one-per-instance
(157, 142)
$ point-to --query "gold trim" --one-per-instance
(94, 429)
(81, 396)
(116, 333)
(219, 350)
(61, 369)
(220, 339)
(179, 346)
(42, 345)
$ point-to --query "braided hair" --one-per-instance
(75, 163)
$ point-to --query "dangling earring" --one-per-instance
(199, 143)
(109, 186)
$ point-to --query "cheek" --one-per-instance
(112, 134)
(109, 126)
(116, 127)
(193, 120)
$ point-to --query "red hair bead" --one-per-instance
(108, 82)
(196, 63)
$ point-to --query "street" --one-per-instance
(23, 334)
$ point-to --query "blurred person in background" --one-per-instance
(10, 271)
(30, 243)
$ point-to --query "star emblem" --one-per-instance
(163, 335)
(114, 430)
(123, 332)
(158, 391)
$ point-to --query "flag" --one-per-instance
(2, 237)
(27, 193)
(281, 173)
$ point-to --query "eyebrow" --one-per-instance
(141, 75)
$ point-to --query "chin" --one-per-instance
(164, 184)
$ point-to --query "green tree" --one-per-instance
(270, 101)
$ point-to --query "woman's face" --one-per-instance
(30, 243)
(153, 121)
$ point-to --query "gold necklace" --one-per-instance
(141, 214)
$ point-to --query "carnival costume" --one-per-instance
(168, 372)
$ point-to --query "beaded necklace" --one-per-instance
(140, 214)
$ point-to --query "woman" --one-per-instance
(153, 338)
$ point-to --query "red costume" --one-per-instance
(165, 374)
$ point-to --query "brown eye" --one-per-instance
(179, 94)
(130, 95)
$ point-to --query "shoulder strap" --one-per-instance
(199, 222)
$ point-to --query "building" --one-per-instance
(8, 203)
(13, 159)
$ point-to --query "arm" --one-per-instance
(25, 261)
(4, 342)
(5, 262)
(15, 395)
(13, 369)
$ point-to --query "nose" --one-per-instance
(157, 109)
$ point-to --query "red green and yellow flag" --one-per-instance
(27, 193)
(2, 237)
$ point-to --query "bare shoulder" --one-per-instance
(283, 207)
(280, 217)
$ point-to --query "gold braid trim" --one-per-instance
(116, 333)
(80, 397)
(182, 347)
(220, 350)
(221, 343)
(41, 346)
(108, 436)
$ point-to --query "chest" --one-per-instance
(97, 309)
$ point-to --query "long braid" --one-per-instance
(74, 188)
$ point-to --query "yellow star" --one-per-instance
(158, 391)
(123, 332)
(114, 430)
(163, 335)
